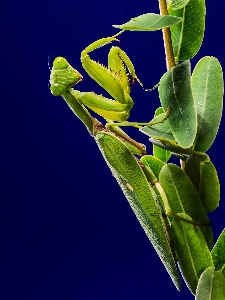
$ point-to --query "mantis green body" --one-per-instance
(116, 79)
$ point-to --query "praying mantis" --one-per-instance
(170, 202)
(116, 79)
(158, 203)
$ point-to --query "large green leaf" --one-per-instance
(207, 88)
(211, 285)
(191, 250)
(218, 253)
(193, 170)
(176, 4)
(205, 179)
(175, 92)
(209, 189)
(128, 173)
(187, 36)
(149, 22)
(183, 197)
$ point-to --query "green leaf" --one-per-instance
(149, 22)
(176, 149)
(128, 173)
(153, 163)
(187, 36)
(218, 253)
(160, 153)
(192, 169)
(183, 197)
(209, 186)
(211, 285)
(204, 177)
(176, 4)
(175, 92)
(191, 250)
(207, 88)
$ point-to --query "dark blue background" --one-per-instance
(67, 231)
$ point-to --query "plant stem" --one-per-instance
(170, 61)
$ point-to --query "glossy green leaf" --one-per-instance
(209, 186)
(205, 179)
(153, 163)
(128, 173)
(192, 169)
(176, 149)
(211, 285)
(218, 253)
(160, 153)
(149, 22)
(191, 250)
(183, 197)
(176, 4)
(187, 36)
(207, 88)
(175, 92)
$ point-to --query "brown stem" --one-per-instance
(170, 61)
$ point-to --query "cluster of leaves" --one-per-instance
(195, 102)
(171, 203)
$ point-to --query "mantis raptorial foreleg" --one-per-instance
(116, 79)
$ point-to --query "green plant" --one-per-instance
(170, 202)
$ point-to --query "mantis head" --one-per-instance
(63, 76)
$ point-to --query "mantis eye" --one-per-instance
(57, 89)
(60, 63)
